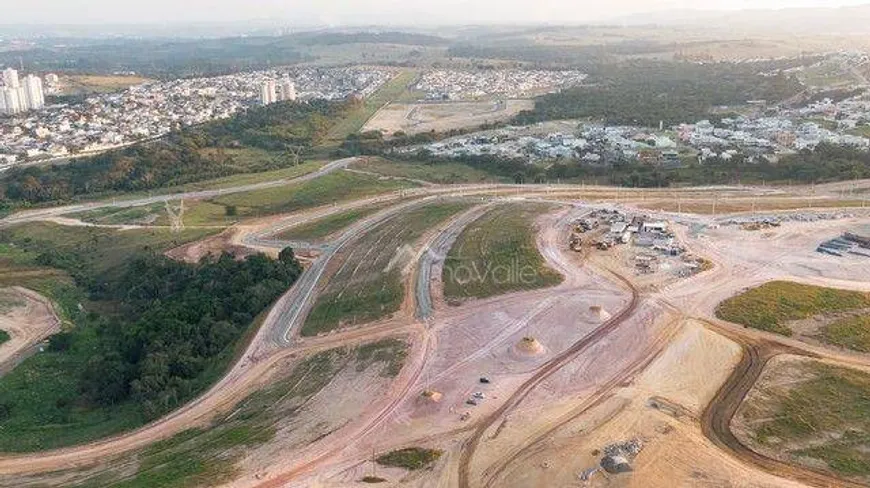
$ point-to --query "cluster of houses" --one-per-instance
(477, 84)
(151, 110)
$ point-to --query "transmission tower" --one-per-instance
(176, 216)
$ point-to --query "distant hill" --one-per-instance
(840, 20)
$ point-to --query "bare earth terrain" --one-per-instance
(29, 319)
(416, 118)
(607, 364)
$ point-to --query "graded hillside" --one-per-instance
(277, 416)
(323, 227)
(328, 189)
(812, 414)
(497, 254)
(773, 305)
(368, 285)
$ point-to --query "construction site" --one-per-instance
(590, 351)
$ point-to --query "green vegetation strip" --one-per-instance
(443, 173)
(4, 336)
(825, 418)
(497, 254)
(326, 226)
(368, 286)
(770, 306)
(412, 458)
(331, 188)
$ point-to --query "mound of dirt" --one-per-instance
(599, 313)
(530, 345)
(431, 396)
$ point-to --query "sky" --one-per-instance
(363, 12)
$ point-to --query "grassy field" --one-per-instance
(824, 417)
(250, 156)
(497, 254)
(242, 179)
(357, 118)
(852, 333)
(326, 226)
(208, 456)
(769, 306)
(411, 458)
(444, 173)
(40, 396)
(85, 84)
(331, 188)
(368, 286)
(147, 214)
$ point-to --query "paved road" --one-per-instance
(290, 311)
(435, 254)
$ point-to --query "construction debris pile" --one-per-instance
(617, 459)
(756, 222)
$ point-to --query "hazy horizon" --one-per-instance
(335, 13)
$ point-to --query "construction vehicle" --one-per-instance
(575, 243)
(602, 245)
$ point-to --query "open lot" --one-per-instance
(86, 84)
(416, 118)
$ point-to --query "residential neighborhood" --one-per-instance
(152, 110)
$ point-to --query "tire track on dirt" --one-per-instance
(717, 417)
(544, 372)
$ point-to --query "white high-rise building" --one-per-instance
(33, 92)
(268, 93)
(288, 89)
(17, 97)
(10, 78)
(12, 100)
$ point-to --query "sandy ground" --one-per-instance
(28, 318)
(213, 246)
(416, 118)
(681, 380)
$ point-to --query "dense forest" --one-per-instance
(646, 93)
(179, 158)
(170, 324)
